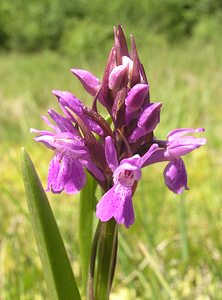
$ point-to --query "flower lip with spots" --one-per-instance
(117, 201)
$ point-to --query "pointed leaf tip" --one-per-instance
(58, 273)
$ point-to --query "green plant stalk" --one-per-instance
(183, 229)
(106, 259)
(86, 208)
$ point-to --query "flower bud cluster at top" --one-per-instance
(114, 154)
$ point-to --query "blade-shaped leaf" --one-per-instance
(87, 205)
(58, 273)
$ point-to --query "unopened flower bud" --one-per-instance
(136, 96)
(147, 122)
(118, 78)
(126, 61)
(175, 176)
(90, 82)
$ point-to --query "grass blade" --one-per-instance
(56, 266)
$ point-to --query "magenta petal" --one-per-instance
(53, 184)
(144, 160)
(136, 96)
(46, 120)
(147, 122)
(175, 176)
(177, 133)
(117, 203)
(65, 174)
(74, 178)
(70, 142)
(124, 213)
(47, 139)
(128, 164)
(110, 152)
(183, 146)
(88, 164)
(63, 123)
(105, 207)
(90, 82)
(93, 126)
(135, 100)
(67, 99)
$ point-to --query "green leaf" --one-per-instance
(58, 273)
(87, 206)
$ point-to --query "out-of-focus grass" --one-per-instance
(151, 264)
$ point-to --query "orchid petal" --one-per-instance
(90, 82)
(118, 77)
(66, 174)
(68, 100)
(93, 169)
(147, 122)
(177, 133)
(53, 184)
(105, 207)
(136, 96)
(110, 153)
(74, 178)
(46, 120)
(47, 139)
(145, 158)
(70, 142)
(183, 146)
(117, 203)
(63, 123)
(175, 176)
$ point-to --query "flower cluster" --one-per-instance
(113, 150)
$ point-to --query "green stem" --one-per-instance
(183, 229)
(90, 287)
(106, 259)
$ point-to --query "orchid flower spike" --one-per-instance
(113, 150)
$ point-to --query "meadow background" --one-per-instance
(174, 250)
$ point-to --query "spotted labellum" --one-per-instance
(113, 152)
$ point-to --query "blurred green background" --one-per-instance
(174, 250)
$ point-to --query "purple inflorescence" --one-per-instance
(113, 154)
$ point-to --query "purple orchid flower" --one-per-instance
(114, 153)
(66, 174)
(67, 99)
(178, 144)
(117, 201)
(66, 170)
